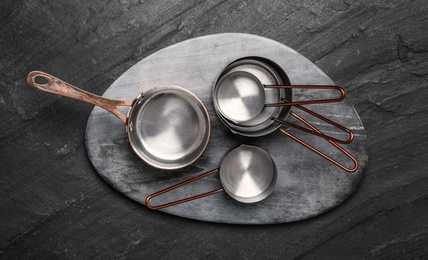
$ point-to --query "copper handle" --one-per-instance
(317, 151)
(179, 185)
(307, 102)
(57, 86)
(341, 127)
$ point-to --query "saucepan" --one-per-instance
(252, 97)
(168, 126)
(247, 174)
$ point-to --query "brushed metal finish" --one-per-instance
(240, 96)
(265, 74)
(248, 174)
(169, 127)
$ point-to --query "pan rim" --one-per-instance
(267, 126)
(143, 99)
(266, 191)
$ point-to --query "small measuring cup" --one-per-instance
(248, 174)
(239, 96)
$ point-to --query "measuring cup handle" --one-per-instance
(57, 86)
(179, 185)
(307, 102)
(317, 151)
(341, 127)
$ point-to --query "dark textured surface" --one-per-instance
(54, 204)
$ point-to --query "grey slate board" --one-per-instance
(307, 184)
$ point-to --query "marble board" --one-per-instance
(307, 184)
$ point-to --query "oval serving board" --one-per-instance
(307, 184)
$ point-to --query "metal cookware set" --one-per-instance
(169, 128)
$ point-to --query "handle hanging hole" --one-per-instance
(40, 80)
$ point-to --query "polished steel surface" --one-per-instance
(240, 96)
(267, 75)
(234, 87)
(169, 127)
(248, 174)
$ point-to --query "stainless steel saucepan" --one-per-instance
(168, 126)
(248, 174)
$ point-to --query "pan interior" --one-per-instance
(240, 96)
(169, 127)
(248, 174)
(267, 73)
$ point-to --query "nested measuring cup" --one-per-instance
(239, 96)
(248, 174)
(240, 99)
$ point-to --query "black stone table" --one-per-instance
(54, 204)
